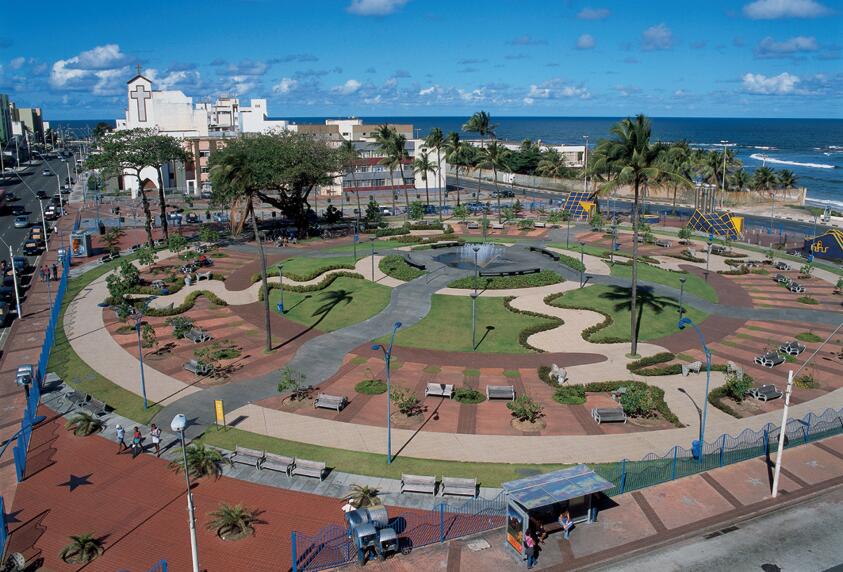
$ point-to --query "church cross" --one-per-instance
(141, 95)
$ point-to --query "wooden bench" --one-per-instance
(440, 390)
(457, 486)
(251, 457)
(330, 401)
(278, 463)
(197, 335)
(197, 368)
(500, 392)
(608, 414)
(418, 484)
(307, 468)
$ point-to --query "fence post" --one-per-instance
(18, 463)
(295, 567)
(722, 447)
(4, 527)
(623, 476)
(673, 472)
(441, 522)
(806, 429)
(767, 441)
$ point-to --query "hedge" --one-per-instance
(370, 387)
(394, 231)
(396, 267)
(570, 395)
(327, 281)
(571, 262)
(543, 278)
(273, 271)
(468, 395)
(524, 334)
(187, 304)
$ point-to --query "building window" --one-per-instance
(377, 182)
(409, 181)
(204, 169)
(363, 169)
(204, 153)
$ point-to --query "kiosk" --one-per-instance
(541, 499)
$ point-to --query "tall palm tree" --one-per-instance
(763, 178)
(455, 155)
(632, 155)
(494, 156)
(397, 157)
(480, 123)
(423, 165)
(553, 164)
(349, 157)
(786, 178)
(741, 180)
(393, 148)
(436, 140)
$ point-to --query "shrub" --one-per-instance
(406, 401)
(371, 387)
(327, 281)
(663, 357)
(571, 262)
(82, 549)
(805, 381)
(570, 395)
(543, 278)
(807, 300)
(527, 224)
(525, 409)
(808, 337)
(233, 521)
(656, 394)
(396, 266)
(83, 424)
(187, 304)
(524, 335)
(294, 382)
(638, 401)
(737, 386)
(181, 326)
(468, 395)
(395, 231)
(202, 461)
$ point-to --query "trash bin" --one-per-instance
(101, 228)
(696, 449)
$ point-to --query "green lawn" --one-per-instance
(448, 326)
(364, 247)
(659, 315)
(574, 248)
(543, 278)
(302, 268)
(488, 474)
(694, 285)
(346, 301)
(76, 373)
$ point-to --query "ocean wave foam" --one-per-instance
(760, 157)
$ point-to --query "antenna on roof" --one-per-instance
(138, 68)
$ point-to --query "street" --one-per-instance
(804, 537)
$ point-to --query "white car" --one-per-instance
(21, 221)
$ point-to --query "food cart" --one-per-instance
(541, 499)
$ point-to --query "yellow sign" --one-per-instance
(220, 412)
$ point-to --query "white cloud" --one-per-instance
(104, 57)
(101, 70)
(375, 7)
(181, 79)
(16, 63)
(769, 48)
(782, 84)
(773, 9)
(593, 14)
(286, 85)
(657, 38)
(557, 89)
(528, 101)
(585, 42)
(349, 87)
(680, 93)
(432, 90)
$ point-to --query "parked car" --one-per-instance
(17, 209)
(42, 196)
(31, 248)
(10, 197)
(20, 263)
(192, 218)
(206, 195)
(21, 221)
(46, 173)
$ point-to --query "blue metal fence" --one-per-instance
(160, 566)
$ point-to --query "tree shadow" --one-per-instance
(290, 309)
(646, 300)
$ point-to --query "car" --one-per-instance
(65, 190)
(221, 217)
(21, 221)
(206, 195)
(10, 197)
(17, 209)
(42, 196)
(192, 218)
(56, 199)
(20, 263)
(62, 159)
(46, 173)
(31, 248)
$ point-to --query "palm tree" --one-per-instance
(82, 549)
(553, 164)
(393, 148)
(362, 496)
(632, 155)
(233, 522)
(436, 140)
(763, 178)
(83, 424)
(423, 165)
(494, 157)
(202, 461)
(741, 180)
(349, 156)
(480, 123)
(455, 150)
(787, 180)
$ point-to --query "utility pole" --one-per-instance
(585, 166)
(723, 191)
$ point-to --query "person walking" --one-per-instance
(120, 435)
(530, 550)
(55, 272)
(155, 437)
(136, 442)
(45, 273)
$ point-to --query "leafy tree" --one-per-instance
(208, 234)
(332, 215)
(436, 140)
(638, 401)
(461, 213)
(181, 326)
(164, 149)
(406, 401)
(553, 164)
(295, 382)
(597, 221)
(234, 521)
(111, 238)
(525, 409)
(146, 255)
(148, 339)
(685, 234)
(202, 461)
(554, 217)
(373, 212)
(83, 424)
(177, 243)
(737, 386)
(416, 210)
(361, 496)
(121, 283)
(423, 165)
(508, 214)
(517, 207)
(101, 129)
(82, 549)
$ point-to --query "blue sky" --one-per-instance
(742, 58)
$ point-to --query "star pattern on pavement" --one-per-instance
(76, 481)
(755, 482)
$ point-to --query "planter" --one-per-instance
(234, 537)
(527, 426)
(401, 420)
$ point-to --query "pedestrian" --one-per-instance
(45, 273)
(155, 437)
(530, 550)
(55, 271)
(120, 434)
(567, 523)
(136, 442)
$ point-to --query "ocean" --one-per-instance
(811, 148)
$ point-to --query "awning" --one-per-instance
(558, 486)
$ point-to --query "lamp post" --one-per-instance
(387, 358)
(373, 257)
(281, 286)
(138, 316)
(40, 204)
(614, 241)
(708, 253)
(683, 322)
(585, 165)
(723, 187)
(582, 264)
(474, 320)
(14, 276)
(681, 293)
(476, 249)
(178, 424)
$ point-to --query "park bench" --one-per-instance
(781, 265)
(198, 368)
(769, 359)
(555, 256)
(765, 392)
(251, 457)
(415, 265)
(717, 249)
(458, 486)
(203, 275)
(198, 335)
(540, 224)
(307, 468)
(608, 414)
(500, 392)
(497, 226)
(330, 401)
(691, 367)
(782, 279)
(445, 244)
(418, 484)
(135, 247)
(278, 463)
(796, 288)
(473, 226)
(440, 390)
(96, 407)
(792, 348)
(664, 243)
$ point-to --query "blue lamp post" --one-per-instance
(138, 322)
(697, 446)
(387, 358)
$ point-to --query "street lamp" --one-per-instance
(683, 322)
(138, 316)
(681, 293)
(14, 276)
(568, 233)
(476, 249)
(708, 253)
(585, 165)
(474, 320)
(614, 241)
(40, 204)
(387, 357)
(178, 424)
(582, 263)
(723, 191)
(372, 240)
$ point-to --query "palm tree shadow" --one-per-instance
(645, 300)
(334, 298)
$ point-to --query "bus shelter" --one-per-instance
(541, 499)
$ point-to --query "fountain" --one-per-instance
(463, 256)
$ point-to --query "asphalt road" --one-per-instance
(27, 199)
(805, 537)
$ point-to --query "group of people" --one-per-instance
(285, 240)
(136, 446)
(537, 535)
(48, 273)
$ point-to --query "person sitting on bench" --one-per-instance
(567, 523)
